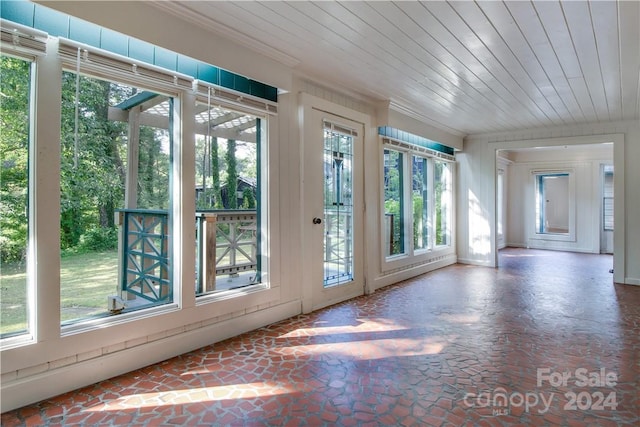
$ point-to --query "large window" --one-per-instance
(15, 89)
(98, 225)
(114, 179)
(393, 202)
(418, 202)
(443, 201)
(228, 201)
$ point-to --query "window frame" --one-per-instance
(402, 177)
(101, 72)
(263, 204)
(608, 219)
(411, 255)
(535, 235)
(29, 333)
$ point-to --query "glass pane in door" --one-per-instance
(338, 207)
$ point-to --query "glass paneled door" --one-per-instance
(334, 205)
(338, 205)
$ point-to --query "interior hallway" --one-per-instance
(407, 355)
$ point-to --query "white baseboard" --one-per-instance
(632, 281)
(481, 263)
(408, 273)
(51, 383)
(516, 245)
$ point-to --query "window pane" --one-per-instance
(227, 199)
(14, 190)
(607, 203)
(443, 200)
(552, 203)
(419, 200)
(114, 178)
(338, 208)
(393, 203)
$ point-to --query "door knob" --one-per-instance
(317, 220)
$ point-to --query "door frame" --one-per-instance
(308, 105)
(618, 140)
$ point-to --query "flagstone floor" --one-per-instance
(546, 339)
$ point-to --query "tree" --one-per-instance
(248, 199)
(14, 156)
(215, 174)
(232, 176)
(92, 171)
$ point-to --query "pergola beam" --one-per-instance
(162, 122)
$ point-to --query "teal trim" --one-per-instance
(257, 89)
(51, 21)
(84, 32)
(146, 259)
(114, 41)
(187, 65)
(58, 24)
(410, 138)
(227, 79)
(271, 93)
(241, 84)
(20, 12)
(136, 100)
(209, 73)
(141, 50)
(166, 59)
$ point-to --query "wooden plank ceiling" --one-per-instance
(469, 67)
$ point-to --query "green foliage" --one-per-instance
(91, 170)
(232, 176)
(440, 231)
(93, 160)
(14, 157)
(99, 239)
(418, 225)
(215, 174)
(392, 209)
(393, 200)
(248, 199)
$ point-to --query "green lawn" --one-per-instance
(85, 282)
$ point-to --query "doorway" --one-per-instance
(333, 226)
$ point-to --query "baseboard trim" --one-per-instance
(25, 391)
(632, 281)
(475, 262)
(408, 273)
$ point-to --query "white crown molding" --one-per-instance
(181, 11)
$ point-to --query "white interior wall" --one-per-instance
(476, 181)
(585, 165)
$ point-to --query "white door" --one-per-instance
(333, 206)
